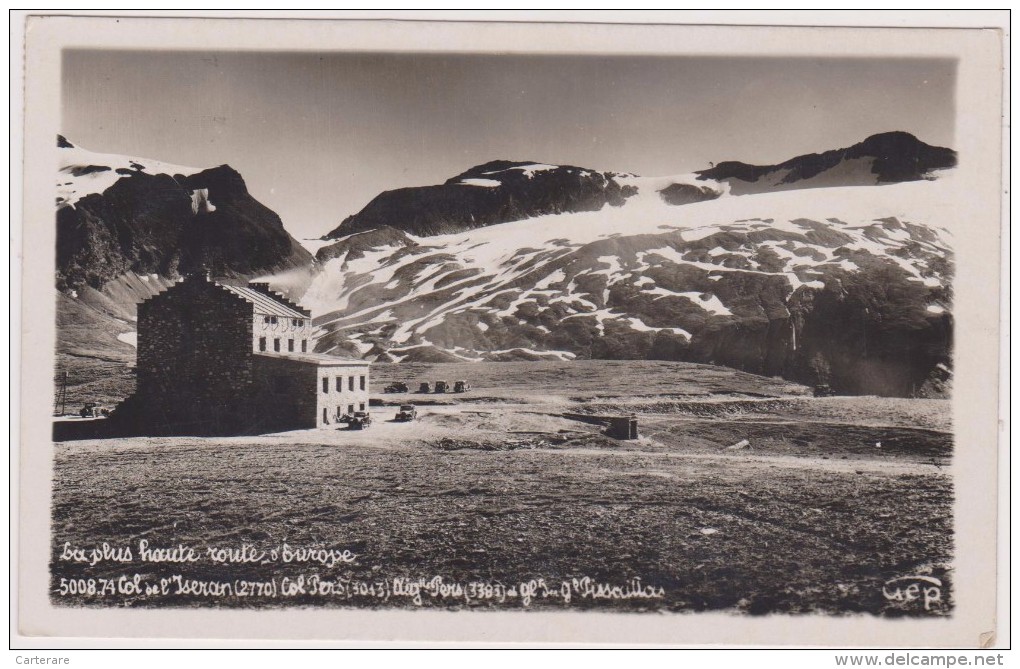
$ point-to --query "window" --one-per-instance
(304, 346)
(339, 383)
(339, 413)
(325, 416)
(350, 408)
(276, 344)
(272, 319)
(350, 383)
(361, 407)
(325, 384)
(290, 345)
(362, 382)
(262, 343)
(266, 319)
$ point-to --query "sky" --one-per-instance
(317, 135)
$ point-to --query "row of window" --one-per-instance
(340, 383)
(272, 320)
(340, 413)
(277, 343)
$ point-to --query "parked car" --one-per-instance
(461, 387)
(442, 386)
(407, 413)
(824, 390)
(424, 387)
(93, 410)
(359, 421)
(396, 388)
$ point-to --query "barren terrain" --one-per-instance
(743, 493)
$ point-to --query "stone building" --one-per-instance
(221, 359)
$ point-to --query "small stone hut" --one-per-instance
(222, 359)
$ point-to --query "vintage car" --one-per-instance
(93, 410)
(359, 421)
(396, 388)
(407, 413)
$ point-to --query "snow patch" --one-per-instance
(482, 183)
(710, 303)
(130, 338)
(529, 170)
(556, 277)
(640, 326)
(81, 172)
(200, 201)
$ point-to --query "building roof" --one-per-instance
(263, 303)
(320, 359)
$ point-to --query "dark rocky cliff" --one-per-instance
(496, 192)
(170, 225)
(890, 157)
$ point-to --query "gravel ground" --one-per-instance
(505, 504)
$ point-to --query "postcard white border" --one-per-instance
(976, 310)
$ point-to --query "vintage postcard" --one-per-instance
(508, 332)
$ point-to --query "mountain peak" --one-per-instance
(892, 135)
(495, 192)
(893, 144)
(888, 157)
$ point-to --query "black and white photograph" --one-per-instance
(663, 335)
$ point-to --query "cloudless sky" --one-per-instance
(316, 136)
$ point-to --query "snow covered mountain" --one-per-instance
(496, 192)
(849, 285)
(117, 214)
(826, 268)
(129, 227)
(890, 157)
(502, 191)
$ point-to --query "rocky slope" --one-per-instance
(846, 286)
(891, 157)
(118, 214)
(827, 268)
(129, 227)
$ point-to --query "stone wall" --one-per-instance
(283, 395)
(194, 360)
